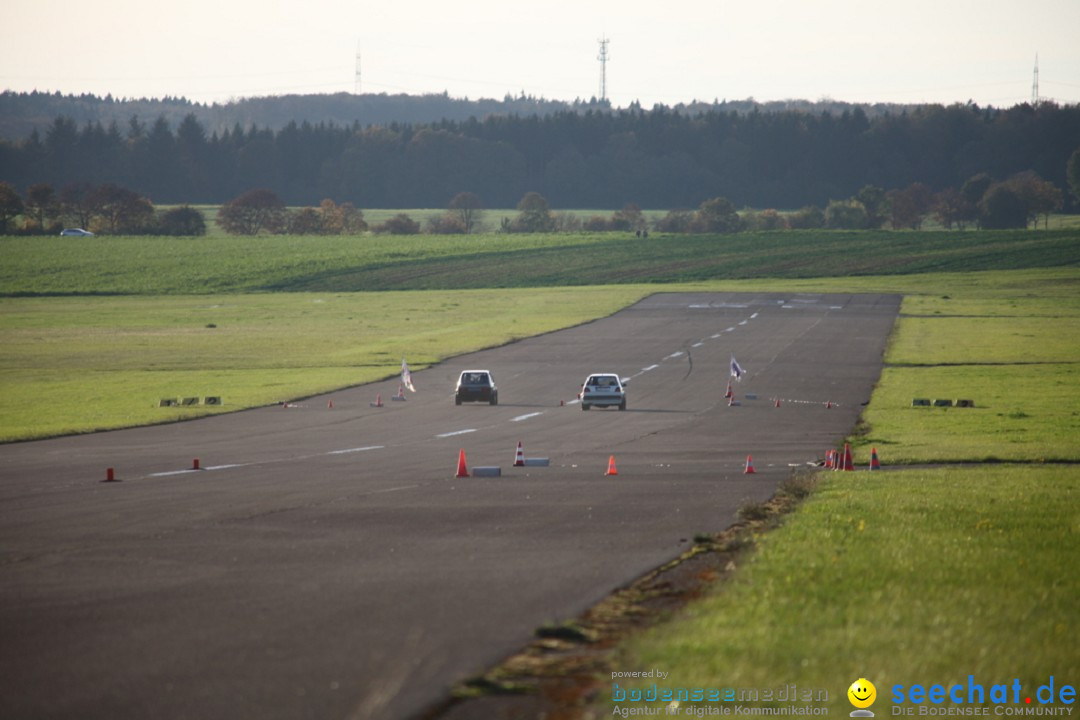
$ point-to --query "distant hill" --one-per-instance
(22, 113)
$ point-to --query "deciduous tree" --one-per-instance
(253, 212)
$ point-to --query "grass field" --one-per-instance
(168, 266)
(921, 576)
(913, 575)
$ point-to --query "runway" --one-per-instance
(327, 563)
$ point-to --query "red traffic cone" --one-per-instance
(378, 400)
(195, 464)
(874, 464)
(519, 456)
(848, 465)
(828, 459)
(462, 471)
(749, 466)
(729, 393)
(330, 404)
(776, 403)
(611, 466)
(828, 404)
(110, 475)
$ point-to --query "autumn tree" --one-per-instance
(42, 204)
(253, 212)
(1072, 174)
(1001, 209)
(11, 205)
(909, 206)
(76, 204)
(845, 215)
(716, 216)
(534, 215)
(120, 210)
(469, 209)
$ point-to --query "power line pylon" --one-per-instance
(603, 58)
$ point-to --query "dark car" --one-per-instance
(476, 386)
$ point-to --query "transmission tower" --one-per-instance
(357, 86)
(603, 58)
(1035, 84)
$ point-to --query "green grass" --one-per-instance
(922, 576)
(79, 364)
(165, 266)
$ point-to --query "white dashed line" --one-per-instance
(519, 418)
(456, 432)
(355, 450)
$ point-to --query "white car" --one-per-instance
(75, 232)
(604, 390)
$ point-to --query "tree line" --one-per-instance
(658, 159)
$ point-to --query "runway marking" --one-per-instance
(519, 418)
(715, 336)
(174, 472)
(456, 432)
(674, 355)
(355, 450)
(647, 369)
(226, 467)
(744, 322)
(730, 329)
(753, 316)
(697, 344)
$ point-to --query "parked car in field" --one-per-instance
(476, 386)
(603, 390)
(75, 232)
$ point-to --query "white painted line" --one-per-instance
(836, 307)
(458, 432)
(174, 472)
(519, 418)
(715, 336)
(355, 450)
(226, 467)
(675, 355)
(730, 329)
(651, 367)
(753, 316)
(697, 344)
(744, 322)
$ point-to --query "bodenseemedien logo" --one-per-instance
(862, 695)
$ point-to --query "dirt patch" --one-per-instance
(561, 674)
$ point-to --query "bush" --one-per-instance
(807, 218)
(182, 221)
(400, 224)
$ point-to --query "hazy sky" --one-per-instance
(660, 51)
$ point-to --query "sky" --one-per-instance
(659, 51)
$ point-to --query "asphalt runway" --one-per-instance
(327, 563)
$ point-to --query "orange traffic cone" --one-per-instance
(729, 394)
(828, 459)
(874, 463)
(611, 466)
(848, 465)
(378, 400)
(462, 471)
(519, 456)
(749, 466)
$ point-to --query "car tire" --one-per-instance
(494, 399)
(457, 400)
(622, 405)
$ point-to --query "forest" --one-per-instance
(584, 157)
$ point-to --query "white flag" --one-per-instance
(736, 371)
(406, 376)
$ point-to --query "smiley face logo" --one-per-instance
(862, 693)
